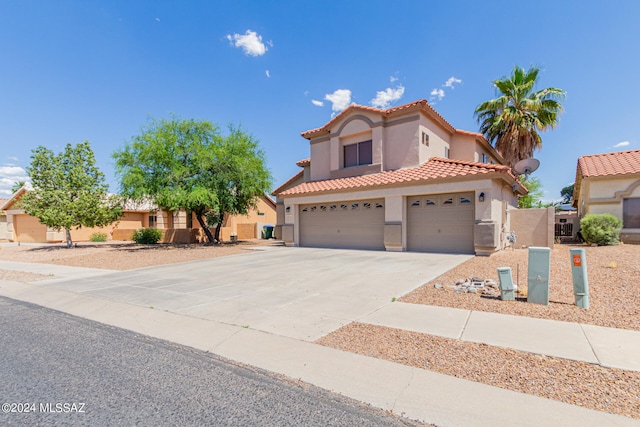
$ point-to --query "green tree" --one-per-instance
(17, 185)
(191, 165)
(533, 199)
(69, 190)
(567, 193)
(513, 120)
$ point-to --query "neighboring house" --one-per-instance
(610, 183)
(400, 179)
(22, 227)
(235, 227)
(176, 226)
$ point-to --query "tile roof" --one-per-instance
(421, 104)
(287, 183)
(616, 163)
(434, 169)
(304, 162)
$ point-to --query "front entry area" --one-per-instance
(354, 224)
(441, 223)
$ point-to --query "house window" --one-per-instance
(425, 138)
(358, 154)
(631, 212)
(260, 213)
(484, 158)
(446, 152)
(429, 202)
(332, 208)
(153, 221)
(189, 219)
(448, 201)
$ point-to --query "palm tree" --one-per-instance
(511, 122)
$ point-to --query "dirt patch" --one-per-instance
(123, 255)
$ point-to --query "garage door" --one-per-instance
(28, 228)
(441, 223)
(355, 224)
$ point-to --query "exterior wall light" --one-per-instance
(481, 197)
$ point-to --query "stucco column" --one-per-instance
(393, 216)
(288, 228)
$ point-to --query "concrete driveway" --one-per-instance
(302, 293)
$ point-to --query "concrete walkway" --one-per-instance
(412, 392)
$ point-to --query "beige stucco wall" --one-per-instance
(3, 227)
(320, 160)
(533, 227)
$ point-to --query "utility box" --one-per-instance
(507, 291)
(538, 274)
(580, 279)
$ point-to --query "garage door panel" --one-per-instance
(354, 224)
(440, 223)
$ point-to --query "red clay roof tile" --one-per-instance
(435, 168)
(421, 104)
(616, 163)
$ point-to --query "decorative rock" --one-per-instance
(459, 282)
(472, 290)
(477, 279)
(437, 286)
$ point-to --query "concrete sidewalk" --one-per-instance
(613, 348)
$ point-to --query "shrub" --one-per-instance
(147, 236)
(98, 237)
(601, 229)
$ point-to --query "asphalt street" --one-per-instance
(58, 369)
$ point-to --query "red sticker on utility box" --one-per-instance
(577, 260)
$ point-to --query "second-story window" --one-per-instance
(484, 158)
(358, 154)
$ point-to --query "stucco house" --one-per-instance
(398, 179)
(177, 227)
(610, 183)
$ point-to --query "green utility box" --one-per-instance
(580, 279)
(538, 274)
(507, 290)
(267, 231)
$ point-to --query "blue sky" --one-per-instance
(97, 70)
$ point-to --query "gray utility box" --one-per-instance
(538, 274)
(580, 279)
(507, 291)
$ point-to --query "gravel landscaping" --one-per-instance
(578, 383)
(613, 291)
(122, 255)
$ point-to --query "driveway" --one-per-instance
(302, 293)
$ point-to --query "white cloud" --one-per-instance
(250, 42)
(317, 103)
(13, 158)
(437, 94)
(622, 144)
(393, 79)
(451, 81)
(385, 97)
(268, 73)
(340, 99)
(9, 175)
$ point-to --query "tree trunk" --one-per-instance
(205, 228)
(68, 234)
(219, 227)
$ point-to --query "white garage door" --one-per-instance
(441, 223)
(355, 224)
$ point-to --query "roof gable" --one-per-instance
(420, 105)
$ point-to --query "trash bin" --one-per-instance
(538, 275)
(267, 231)
(506, 284)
